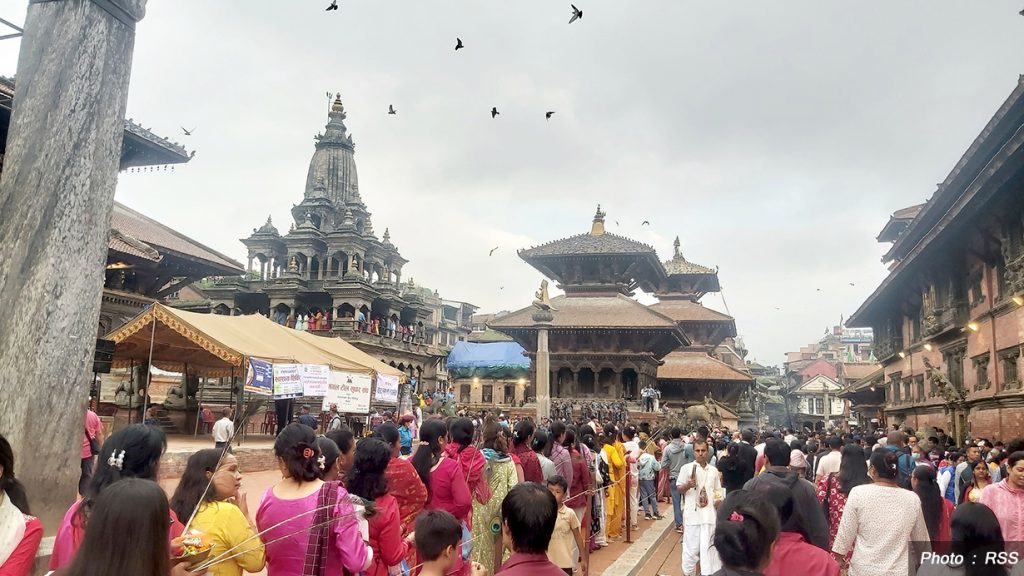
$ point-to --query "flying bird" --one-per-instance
(491, 253)
(1021, 12)
(333, 6)
(458, 44)
(549, 114)
(616, 222)
(852, 284)
(391, 109)
(576, 14)
(187, 131)
(645, 223)
(494, 111)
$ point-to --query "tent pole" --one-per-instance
(199, 408)
(149, 367)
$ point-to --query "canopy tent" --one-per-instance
(488, 359)
(214, 345)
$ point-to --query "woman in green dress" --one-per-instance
(501, 476)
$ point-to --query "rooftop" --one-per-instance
(698, 365)
(597, 241)
(689, 311)
(618, 311)
(681, 266)
(165, 240)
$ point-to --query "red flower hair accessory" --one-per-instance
(736, 517)
(307, 453)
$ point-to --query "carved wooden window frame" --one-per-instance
(919, 387)
(1009, 360)
(981, 364)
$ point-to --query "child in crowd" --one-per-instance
(567, 530)
(647, 473)
(437, 543)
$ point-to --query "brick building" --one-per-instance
(948, 323)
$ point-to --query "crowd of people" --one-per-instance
(474, 496)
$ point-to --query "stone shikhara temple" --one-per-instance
(331, 266)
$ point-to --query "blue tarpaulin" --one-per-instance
(489, 359)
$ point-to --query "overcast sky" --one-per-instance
(774, 137)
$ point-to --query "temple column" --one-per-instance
(575, 383)
(56, 198)
(543, 319)
(249, 268)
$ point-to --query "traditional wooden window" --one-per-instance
(464, 393)
(981, 371)
(907, 395)
(819, 406)
(919, 385)
(1009, 359)
(488, 394)
(976, 295)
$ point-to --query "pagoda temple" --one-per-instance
(331, 270)
(709, 365)
(602, 342)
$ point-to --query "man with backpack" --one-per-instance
(896, 442)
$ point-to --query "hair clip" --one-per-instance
(322, 460)
(115, 460)
(422, 443)
(307, 453)
(736, 517)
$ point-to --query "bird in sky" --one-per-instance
(616, 222)
(494, 111)
(1021, 12)
(333, 6)
(645, 223)
(549, 114)
(818, 289)
(187, 131)
(458, 44)
(491, 253)
(576, 14)
(391, 109)
(852, 284)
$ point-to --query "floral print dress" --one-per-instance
(833, 502)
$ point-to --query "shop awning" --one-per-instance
(216, 345)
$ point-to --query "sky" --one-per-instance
(774, 138)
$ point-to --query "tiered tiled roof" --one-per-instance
(698, 365)
(687, 310)
(168, 241)
(588, 244)
(618, 311)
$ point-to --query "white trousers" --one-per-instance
(697, 546)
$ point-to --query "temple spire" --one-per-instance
(597, 229)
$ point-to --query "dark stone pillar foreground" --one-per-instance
(56, 197)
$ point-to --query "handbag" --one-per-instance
(94, 445)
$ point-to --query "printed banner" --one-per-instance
(287, 380)
(314, 379)
(387, 389)
(349, 392)
(259, 378)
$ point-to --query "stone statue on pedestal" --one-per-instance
(542, 300)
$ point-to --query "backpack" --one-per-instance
(906, 470)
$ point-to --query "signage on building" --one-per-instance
(350, 392)
(857, 336)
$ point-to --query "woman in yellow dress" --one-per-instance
(615, 496)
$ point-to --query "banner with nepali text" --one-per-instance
(314, 379)
(259, 378)
(287, 381)
(350, 392)
(387, 389)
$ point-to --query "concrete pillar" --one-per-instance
(56, 197)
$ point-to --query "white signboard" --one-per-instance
(387, 389)
(287, 380)
(350, 392)
(314, 379)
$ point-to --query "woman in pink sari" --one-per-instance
(446, 486)
(309, 540)
(131, 452)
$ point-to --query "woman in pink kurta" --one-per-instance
(446, 486)
(292, 501)
(1006, 499)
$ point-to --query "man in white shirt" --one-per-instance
(632, 457)
(829, 463)
(223, 429)
(699, 521)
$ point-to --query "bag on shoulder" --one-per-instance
(906, 470)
